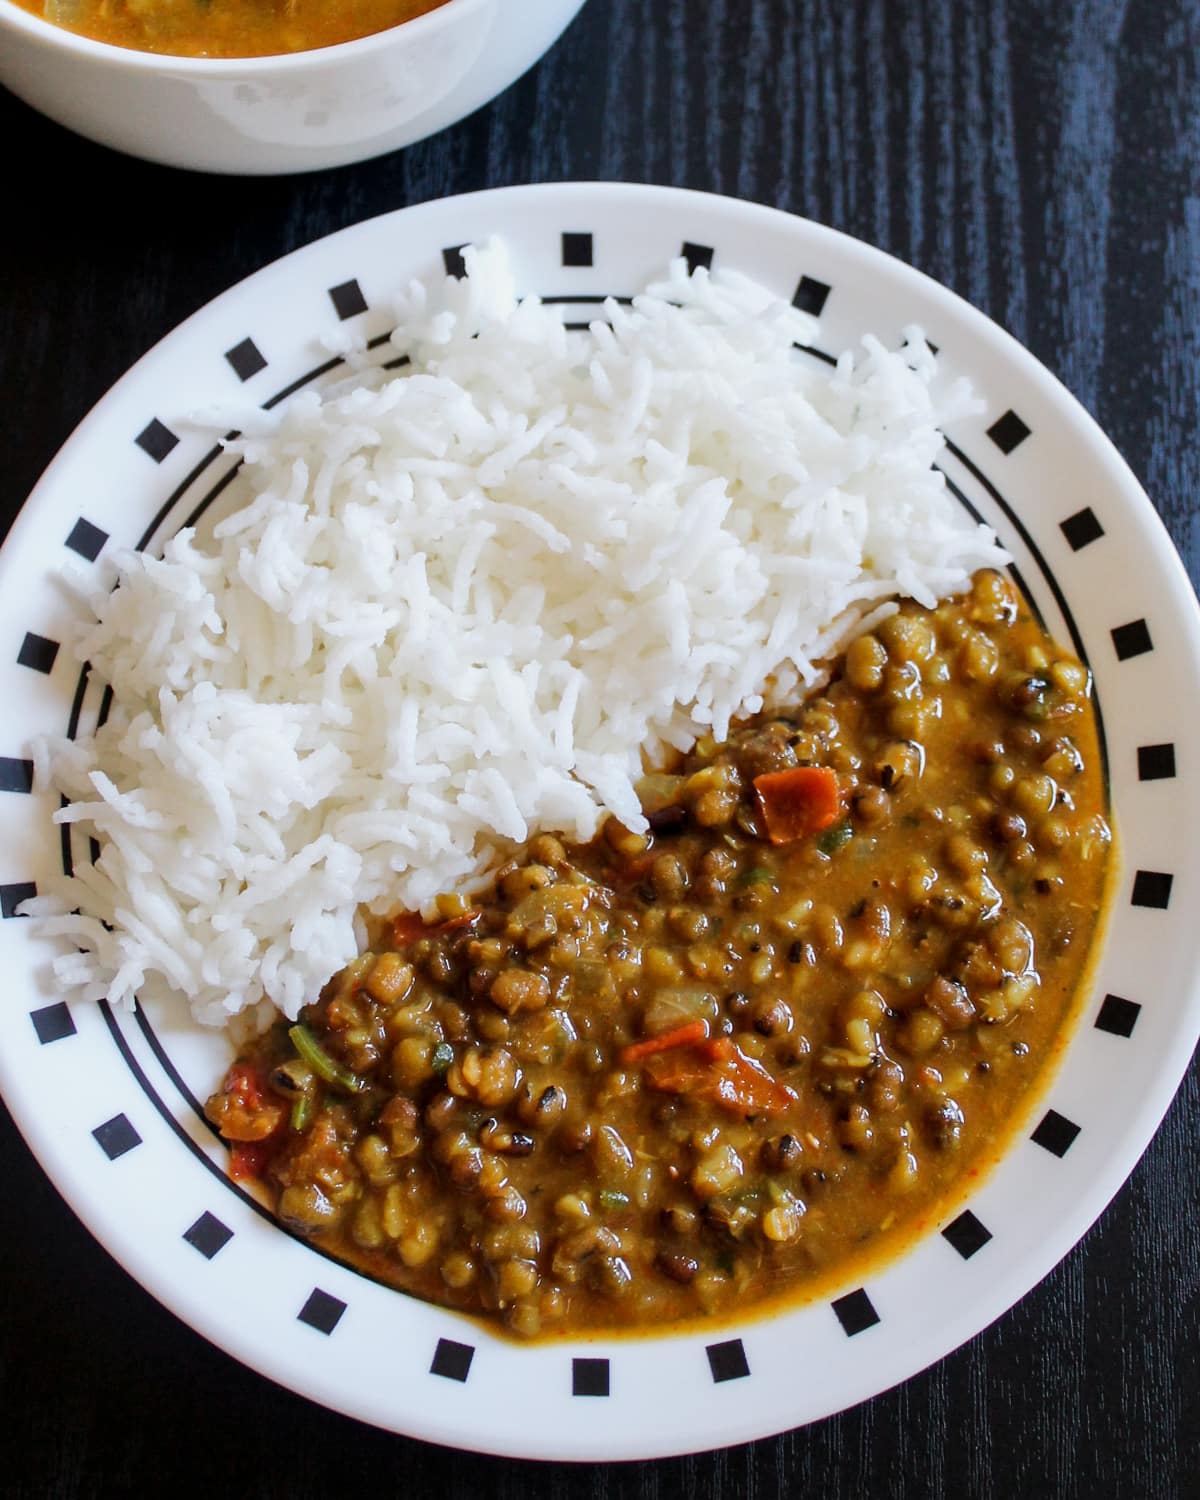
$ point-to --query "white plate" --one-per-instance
(109, 1103)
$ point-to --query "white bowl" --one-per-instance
(292, 113)
(109, 1103)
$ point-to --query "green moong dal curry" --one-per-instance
(227, 28)
(696, 1072)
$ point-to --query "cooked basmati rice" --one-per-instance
(464, 603)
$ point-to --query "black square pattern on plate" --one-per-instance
(37, 652)
(246, 359)
(728, 1361)
(208, 1235)
(156, 439)
(452, 1361)
(1008, 432)
(11, 896)
(1156, 762)
(966, 1234)
(52, 1022)
(1152, 888)
(15, 775)
(347, 298)
(1081, 529)
(811, 295)
(576, 249)
(1118, 1016)
(855, 1312)
(452, 259)
(697, 255)
(589, 1377)
(322, 1311)
(86, 539)
(1132, 639)
(1055, 1133)
(116, 1136)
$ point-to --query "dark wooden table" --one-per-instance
(1041, 157)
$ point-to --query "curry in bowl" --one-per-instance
(678, 1074)
(227, 28)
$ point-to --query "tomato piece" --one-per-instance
(244, 1084)
(720, 1071)
(798, 802)
(682, 1071)
(409, 926)
(745, 1087)
(250, 1159)
(456, 924)
(680, 1036)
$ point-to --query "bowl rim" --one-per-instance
(54, 37)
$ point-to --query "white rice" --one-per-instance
(462, 604)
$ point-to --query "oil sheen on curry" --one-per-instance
(227, 28)
(657, 1078)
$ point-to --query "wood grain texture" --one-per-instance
(1041, 157)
